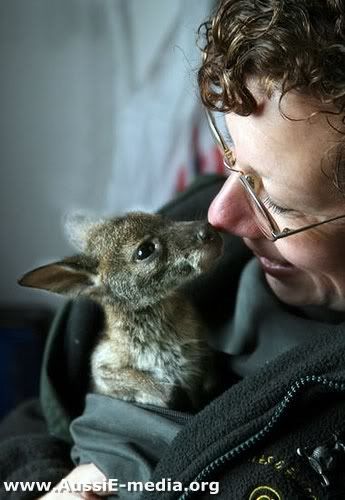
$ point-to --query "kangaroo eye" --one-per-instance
(145, 250)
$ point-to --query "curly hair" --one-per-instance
(295, 44)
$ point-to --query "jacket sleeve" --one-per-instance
(37, 457)
(28, 452)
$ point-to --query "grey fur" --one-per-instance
(153, 346)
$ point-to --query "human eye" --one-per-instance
(274, 208)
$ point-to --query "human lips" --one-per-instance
(276, 268)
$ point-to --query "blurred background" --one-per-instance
(99, 111)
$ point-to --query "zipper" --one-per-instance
(282, 408)
(175, 415)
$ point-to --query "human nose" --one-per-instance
(230, 211)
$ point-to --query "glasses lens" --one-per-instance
(264, 221)
(219, 130)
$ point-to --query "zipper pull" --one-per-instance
(323, 459)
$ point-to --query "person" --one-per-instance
(275, 304)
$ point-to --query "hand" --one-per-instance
(83, 474)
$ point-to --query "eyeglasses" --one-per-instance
(253, 188)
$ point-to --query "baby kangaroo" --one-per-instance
(152, 348)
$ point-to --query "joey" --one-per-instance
(152, 348)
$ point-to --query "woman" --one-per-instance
(276, 69)
(286, 123)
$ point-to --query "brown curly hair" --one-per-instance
(295, 44)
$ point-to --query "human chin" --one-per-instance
(287, 275)
(297, 290)
(307, 288)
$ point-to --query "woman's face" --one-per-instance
(291, 156)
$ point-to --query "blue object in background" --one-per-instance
(22, 336)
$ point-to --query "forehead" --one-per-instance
(289, 150)
(131, 228)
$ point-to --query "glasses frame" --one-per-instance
(272, 232)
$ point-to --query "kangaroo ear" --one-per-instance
(77, 226)
(72, 276)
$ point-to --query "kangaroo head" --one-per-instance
(138, 258)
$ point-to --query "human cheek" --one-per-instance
(310, 252)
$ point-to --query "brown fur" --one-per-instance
(153, 348)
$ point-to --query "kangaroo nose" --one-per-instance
(206, 233)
